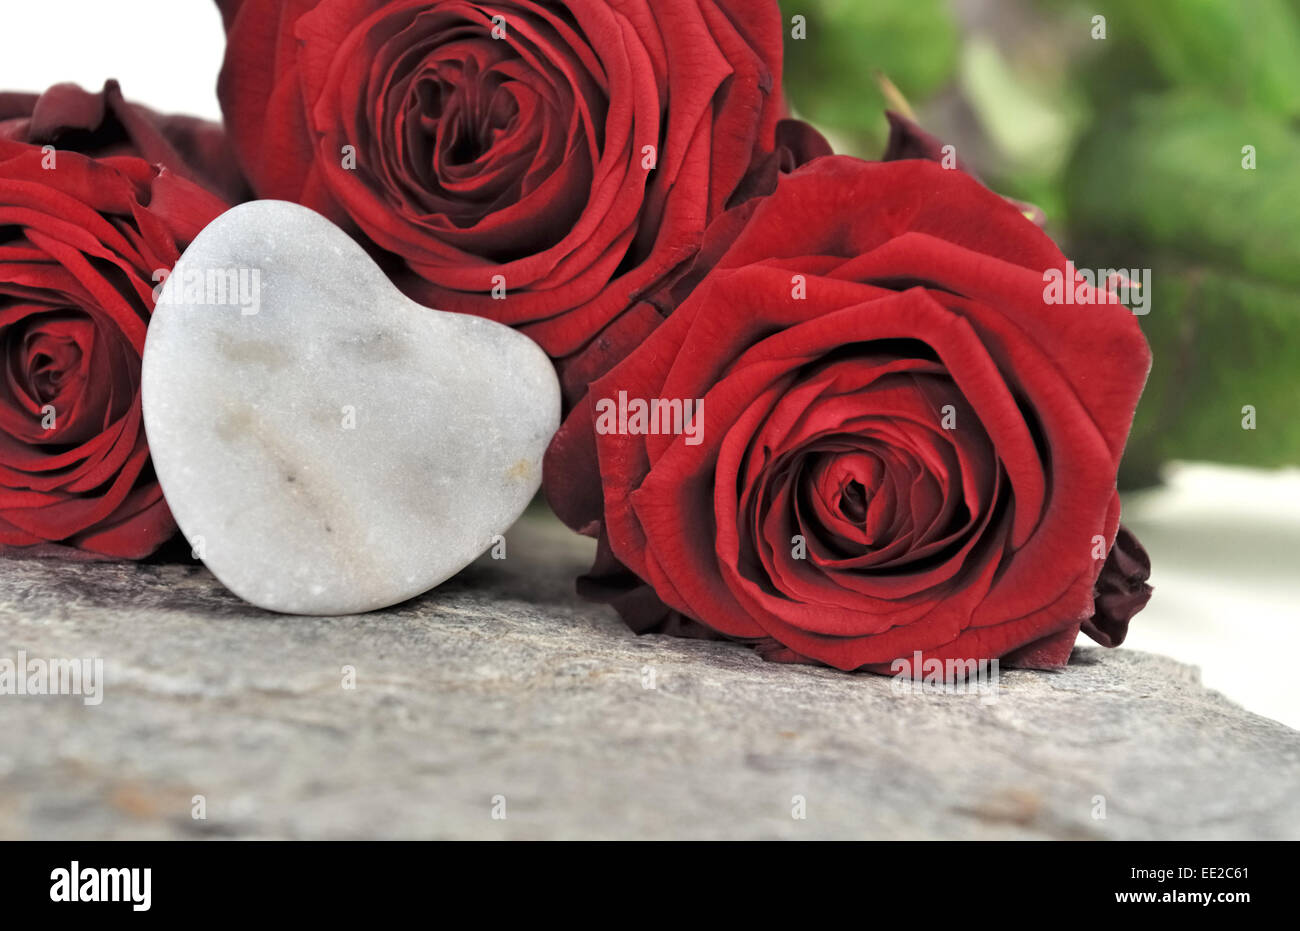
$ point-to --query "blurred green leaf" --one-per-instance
(1220, 343)
(829, 74)
(1245, 51)
(1167, 172)
(1161, 185)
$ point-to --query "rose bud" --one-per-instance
(908, 140)
(82, 238)
(105, 124)
(899, 444)
(1122, 590)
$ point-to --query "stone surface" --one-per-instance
(327, 445)
(502, 683)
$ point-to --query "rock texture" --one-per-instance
(502, 693)
(327, 445)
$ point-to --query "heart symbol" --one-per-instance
(326, 445)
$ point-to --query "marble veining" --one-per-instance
(326, 445)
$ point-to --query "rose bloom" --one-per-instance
(81, 237)
(544, 165)
(902, 447)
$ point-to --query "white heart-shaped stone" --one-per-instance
(326, 445)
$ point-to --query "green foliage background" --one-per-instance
(1133, 145)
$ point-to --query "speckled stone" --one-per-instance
(326, 445)
(501, 693)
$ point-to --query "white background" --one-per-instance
(165, 53)
(1225, 542)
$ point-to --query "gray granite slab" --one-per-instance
(501, 692)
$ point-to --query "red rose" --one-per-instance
(103, 124)
(797, 144)
(908, 140)
(567, 155)
(902, 447)
(81, 238)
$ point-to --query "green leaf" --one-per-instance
(1161, 185)
(829, 75)
(1246, 52)
(1221, 343)
(1168, 172)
